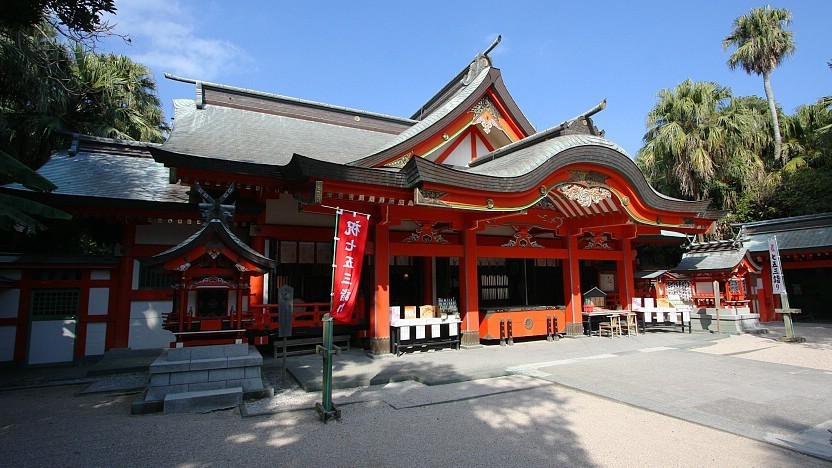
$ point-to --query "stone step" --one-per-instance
(203, 401)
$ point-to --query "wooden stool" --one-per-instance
(612, 327)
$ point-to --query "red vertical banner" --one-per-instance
(350, 240)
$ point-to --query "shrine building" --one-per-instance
(473, 212)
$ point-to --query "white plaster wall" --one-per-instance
(51, 341)
(165, 233)
(285, 211)
(96, 339)
(99, 301)
(146, 330)
(704, 287)
(7, 341)
(9, 302)
(461, 155)
(100, 274)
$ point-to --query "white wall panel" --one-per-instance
(9, 302)
(51, 341)
(146, 325)
(96, 339)
(99, 303)
(7, 341)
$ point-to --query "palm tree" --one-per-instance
(683, 142)
(762, 42)
(806, 139)
(116, 98)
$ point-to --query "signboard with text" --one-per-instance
(777, 282)
(350, 240)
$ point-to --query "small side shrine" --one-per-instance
(214, 269)
(594, 298)
(728, 266)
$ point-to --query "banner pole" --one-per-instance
(326, 410)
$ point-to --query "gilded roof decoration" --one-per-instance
(486, 114)
(584, 196)
(426, 234)
(400, 161)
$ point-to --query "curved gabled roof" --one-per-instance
(526, 167)
(449, 110)
(213, 229)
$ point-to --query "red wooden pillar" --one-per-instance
(626, 281)
(256, 295)
(240, 291)
(469, 290)
(764, 294)
(21, 343)
(380, 315)
(118, 335)
(572, 280)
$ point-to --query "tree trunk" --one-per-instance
(772, 107)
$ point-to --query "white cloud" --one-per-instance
(164, 37)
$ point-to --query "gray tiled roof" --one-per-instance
(802, 239)
(704, 261)
(797, 233)
(246, 136)
(527, 159)
(92, 174)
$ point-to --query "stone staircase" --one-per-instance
(202, 379)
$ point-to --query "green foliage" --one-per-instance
(761, 39)
(75, 237)
(701, 144)
(47, 88)
(762, 42)
(73, 18)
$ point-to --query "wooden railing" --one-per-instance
(304, 315)
(261, 317)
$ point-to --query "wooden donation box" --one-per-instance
(507, 323)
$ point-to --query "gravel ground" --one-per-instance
(547, 425)
(815, 353)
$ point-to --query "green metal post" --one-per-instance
(326, 409)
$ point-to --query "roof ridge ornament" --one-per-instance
(481, 62)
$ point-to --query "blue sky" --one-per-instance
(558, 59)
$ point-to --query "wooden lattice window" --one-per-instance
(54, 304)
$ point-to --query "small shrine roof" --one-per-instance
(714, 256)
(595, 292)
(649, 274)
(795, 233)
(212, 228)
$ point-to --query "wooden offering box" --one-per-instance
(507, 323)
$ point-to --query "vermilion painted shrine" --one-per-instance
(477, 219)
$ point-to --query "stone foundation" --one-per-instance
(201, 369)
(732, 321)
(470, 339)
